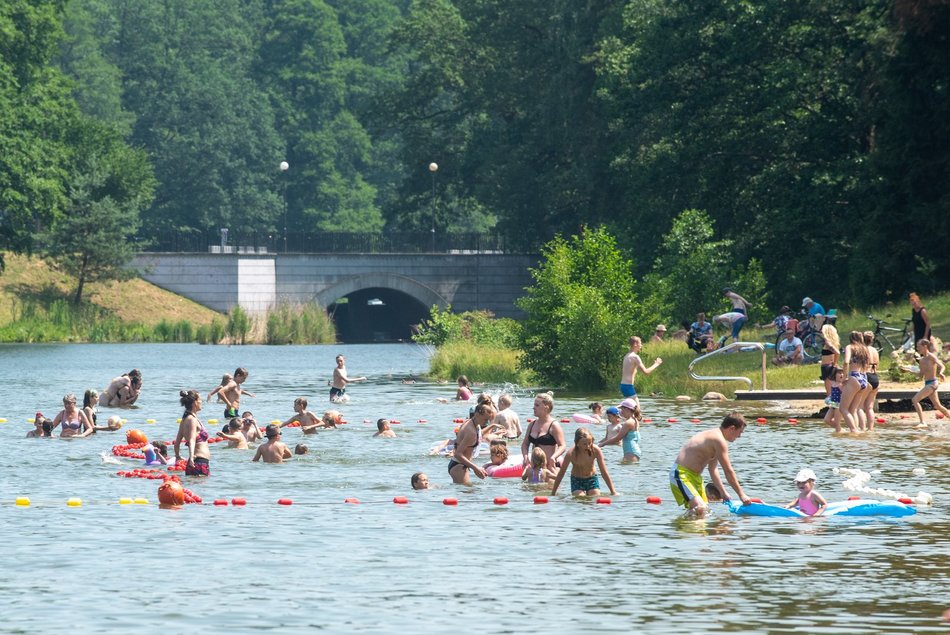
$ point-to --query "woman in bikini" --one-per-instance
(874, 382)
(544, 432)
(830, 352)
(74, 421)
(855, 387)
(195, 436)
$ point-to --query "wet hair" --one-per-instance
(416, 478)
(538, 458)
(135, 372)
(484, 408)
(859, 352)
(188, 399)
(161, 448)
(47, 426)
(301, 448)
(584, 433)
(241, 372)
(495, 442)
(88, 397)
(301, 401)
(594, 406)
(547, 398)
(234, 424)
(712, 493)
(504, 398)
(733, 420)
(332, 417)
(830, 333)
(462, 380)
(381, 424)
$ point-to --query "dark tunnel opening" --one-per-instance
(377, 314)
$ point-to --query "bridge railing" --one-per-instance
(185, 241)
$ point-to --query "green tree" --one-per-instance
(580, 311)
(109, 184)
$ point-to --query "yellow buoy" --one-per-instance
(2, 420)
(276, 422)
(125, 501)
(31, 420)
(22, 501)
(150, 421)
(74, 502)
(212, 421)
(141, 501)
(178, 420)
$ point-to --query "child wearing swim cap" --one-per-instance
(809, 502)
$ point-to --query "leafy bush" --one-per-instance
(239, 323)
(475, 327)
(289, 323)
(486, 363)
(581, 311)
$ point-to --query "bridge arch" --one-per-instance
(384, 280)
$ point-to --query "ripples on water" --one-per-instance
(319, 564)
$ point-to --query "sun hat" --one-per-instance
(629, 402)
(805, 475)
(661, 327)
(613, 410)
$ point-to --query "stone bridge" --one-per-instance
(372, 297)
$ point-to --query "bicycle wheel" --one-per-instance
(811, 347)
(878, 342)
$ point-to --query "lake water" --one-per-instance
(319, 564)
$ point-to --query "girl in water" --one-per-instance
(194, 435)
(464, 393)
(629, 432)
(874, 382)
(156, 453)
(596, 411)
(536, 473)
(833, 401)
(931, 370)
(584, 481)
(809, 501)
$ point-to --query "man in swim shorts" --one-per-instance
(707, 449)
(631, 364)
(340, 380)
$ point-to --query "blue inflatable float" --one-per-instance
(840, 508)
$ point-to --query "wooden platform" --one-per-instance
(809, 394)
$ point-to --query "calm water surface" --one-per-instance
(568, 566)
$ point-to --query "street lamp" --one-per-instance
(433, 168)
(284, 166)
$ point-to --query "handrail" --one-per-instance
(735, 345)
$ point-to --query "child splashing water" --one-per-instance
(809, 501)
(582, 455)
(537, 473)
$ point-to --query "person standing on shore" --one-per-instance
(631, 364)
(919, 318)
(707, 449)
(340, 380)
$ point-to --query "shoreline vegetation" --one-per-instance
(35, 307)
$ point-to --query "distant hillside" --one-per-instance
(29, 278)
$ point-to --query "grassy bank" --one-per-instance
(479, 363)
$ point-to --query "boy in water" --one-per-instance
(273, 451)
(308, 421)
(230, 393)
(383, 429)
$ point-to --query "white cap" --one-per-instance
(805, 475)
(805, 301)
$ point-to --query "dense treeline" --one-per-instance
(812, 137)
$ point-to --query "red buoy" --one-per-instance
(540, 500)
(501, 500)
(603, 500)
(696, 420)
(761, 420)
(171, 493)
(756, 500)
(352, 501)
(672, 419)
(793, 421)
(423, 421)
(653, 500)
(220, 502)
(854, 498)
(400, 500)
(284, 501)
(648, 420)
(565, 420)
(238, 502)
(881, 420)
(450, 501)
(906, 501)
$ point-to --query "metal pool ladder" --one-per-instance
(741, 346)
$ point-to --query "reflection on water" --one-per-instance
(426, 567)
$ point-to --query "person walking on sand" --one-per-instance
(707, 449)
(631, 364)
(931, 370)
(340, 380)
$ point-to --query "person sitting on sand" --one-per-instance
(274, 450)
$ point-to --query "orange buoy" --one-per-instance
(653, 500)
(603, 500)
(400, 500)
(135, 436)
(284, 501)
(854, 498)
(906, 501)
(648, 420)
(238, 502)
(540, 500)
(423, 421)
(696, 420)
(220, 502)
(761, 420)
(352, 501)
(501, 500)
(881, 420)
(672, 419)
(793, 421)
(450, 501)
(170, 493)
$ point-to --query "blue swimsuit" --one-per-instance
(631, 443)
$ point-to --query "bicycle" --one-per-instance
(881, 331)
(810, 335)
